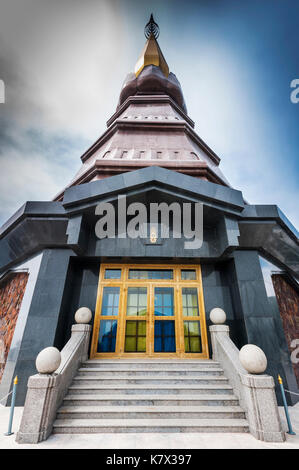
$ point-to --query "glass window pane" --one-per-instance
(150, 274)
(195, 344)
(164, 301)
(130, 344)
(135, 340)
(192, 337)
(141, 312)
(141, 328)
(143, 298)
(168, 298)
(141, 344)
(112, 273)
(137, 301)
(132, 311)
(133, 274)
(131, 328)
(158, 299)
(132, 297)
(107, 311)
(107, 336)
(188, 274)
(190, 302)
(158, 311)
(168, 311)
(164, 336)
(193, 312)
(193, 328)
(110, 301)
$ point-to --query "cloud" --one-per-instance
(35, 165)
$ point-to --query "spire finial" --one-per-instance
(151, 54)
(151, 28)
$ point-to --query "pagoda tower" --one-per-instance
(150, 127)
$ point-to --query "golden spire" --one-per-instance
(151, 54)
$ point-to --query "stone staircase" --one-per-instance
(150, 395)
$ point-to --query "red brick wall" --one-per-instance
(11, 296)
(288, 303)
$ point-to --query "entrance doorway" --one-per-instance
(149, 311)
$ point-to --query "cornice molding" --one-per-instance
(120, 124)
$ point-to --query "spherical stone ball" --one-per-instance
(83, 315)
(48, 360)
(253, 359)
(217, 316)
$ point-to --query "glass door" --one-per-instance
(149, 310)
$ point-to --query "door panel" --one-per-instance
(164, 336)
(110, 303)
(135, 329)
(164, 301)
(192, 337)
(107, 336)
(164, 327)
(136, 301)
(135, 337)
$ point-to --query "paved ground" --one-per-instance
(149, 440)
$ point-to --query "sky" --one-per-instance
(63, 63)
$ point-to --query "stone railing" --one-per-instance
(244, 370)
(47, 389)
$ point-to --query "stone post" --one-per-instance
(216, 331)
(39, 412)
(255, 390)
(47, 389)
(262, 411)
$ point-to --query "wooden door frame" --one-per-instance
(124, 282)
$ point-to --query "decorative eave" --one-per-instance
(149, 99)
(107, 168)
(154, 175)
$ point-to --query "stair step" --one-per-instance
(86, 426)
(133, 364)
(152, 400)
(153, 389)
(128, 372)
(149, 380)
(150, 395)
(152, 412)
